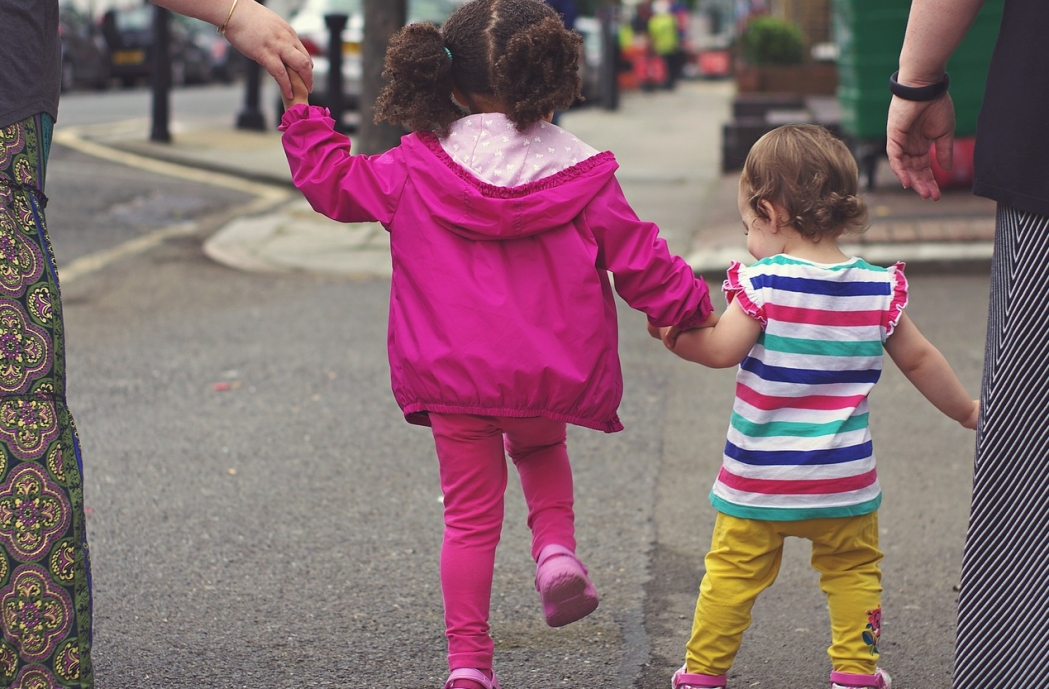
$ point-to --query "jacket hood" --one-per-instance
(464, 204)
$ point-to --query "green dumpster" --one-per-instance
(869, 36)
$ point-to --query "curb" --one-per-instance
(289, 239)
(157, 152)
(714, 262)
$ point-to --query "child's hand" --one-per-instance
(974, 416)
(667, 334)
(670, 335)
(300, 94)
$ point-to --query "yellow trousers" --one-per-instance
(744, 559)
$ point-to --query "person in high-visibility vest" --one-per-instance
(666, 41)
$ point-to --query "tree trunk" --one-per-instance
(382, 19)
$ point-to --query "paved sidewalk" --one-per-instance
(668, 147)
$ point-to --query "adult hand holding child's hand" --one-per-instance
(300, 92)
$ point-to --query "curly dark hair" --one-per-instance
(517, 52)
(811, 173)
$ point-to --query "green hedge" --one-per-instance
(771, 41)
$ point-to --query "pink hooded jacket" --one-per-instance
(500, 301)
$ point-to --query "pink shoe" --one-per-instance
(472, 675)
(563, 586)
(684, 680)
(846, 680)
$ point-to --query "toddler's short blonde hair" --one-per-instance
(809, 172)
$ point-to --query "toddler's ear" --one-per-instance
(776, 213)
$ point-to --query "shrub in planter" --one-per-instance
(771, 41)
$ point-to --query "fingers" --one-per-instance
(283, 69)
(913, 170)
(290, 59)
(299, 61)
(927, 187)
(944, 147)
(669, 336)
(277, 70)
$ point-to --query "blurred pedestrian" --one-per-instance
(642, 13)
(502, 327)
(45, 582)
(665, 38)
(1002, 608)
(567, 10)
(807, 327)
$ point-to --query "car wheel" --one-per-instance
(68, 75)
(102, 81)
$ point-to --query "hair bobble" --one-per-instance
(448, 53)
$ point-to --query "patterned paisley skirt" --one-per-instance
(45, 588)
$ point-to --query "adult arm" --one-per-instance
(256, 31)
(934, 30)
(928, 370)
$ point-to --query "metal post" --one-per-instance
(336, 23)
(609, 59)
(251, 116)
(161, 77)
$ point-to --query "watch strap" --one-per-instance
(918, 93)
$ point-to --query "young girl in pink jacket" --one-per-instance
(502, 329)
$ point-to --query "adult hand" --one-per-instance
(260, 34)
(914, 129)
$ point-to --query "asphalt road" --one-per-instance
(97, 206)
(261, 514)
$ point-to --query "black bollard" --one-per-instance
(336, 23)
(251, 116)
(161, 131)
(609, 60)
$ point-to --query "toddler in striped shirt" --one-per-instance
(807, 326)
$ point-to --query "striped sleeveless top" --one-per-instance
(799, 445)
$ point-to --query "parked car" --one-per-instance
(309, 24)
(131, 38)
(85, 56)
(226, 62)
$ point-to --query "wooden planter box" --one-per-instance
(816, 79)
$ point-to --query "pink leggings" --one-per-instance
(473, 479)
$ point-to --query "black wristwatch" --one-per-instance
(919, 93)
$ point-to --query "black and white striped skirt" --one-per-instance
(1003, 616)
